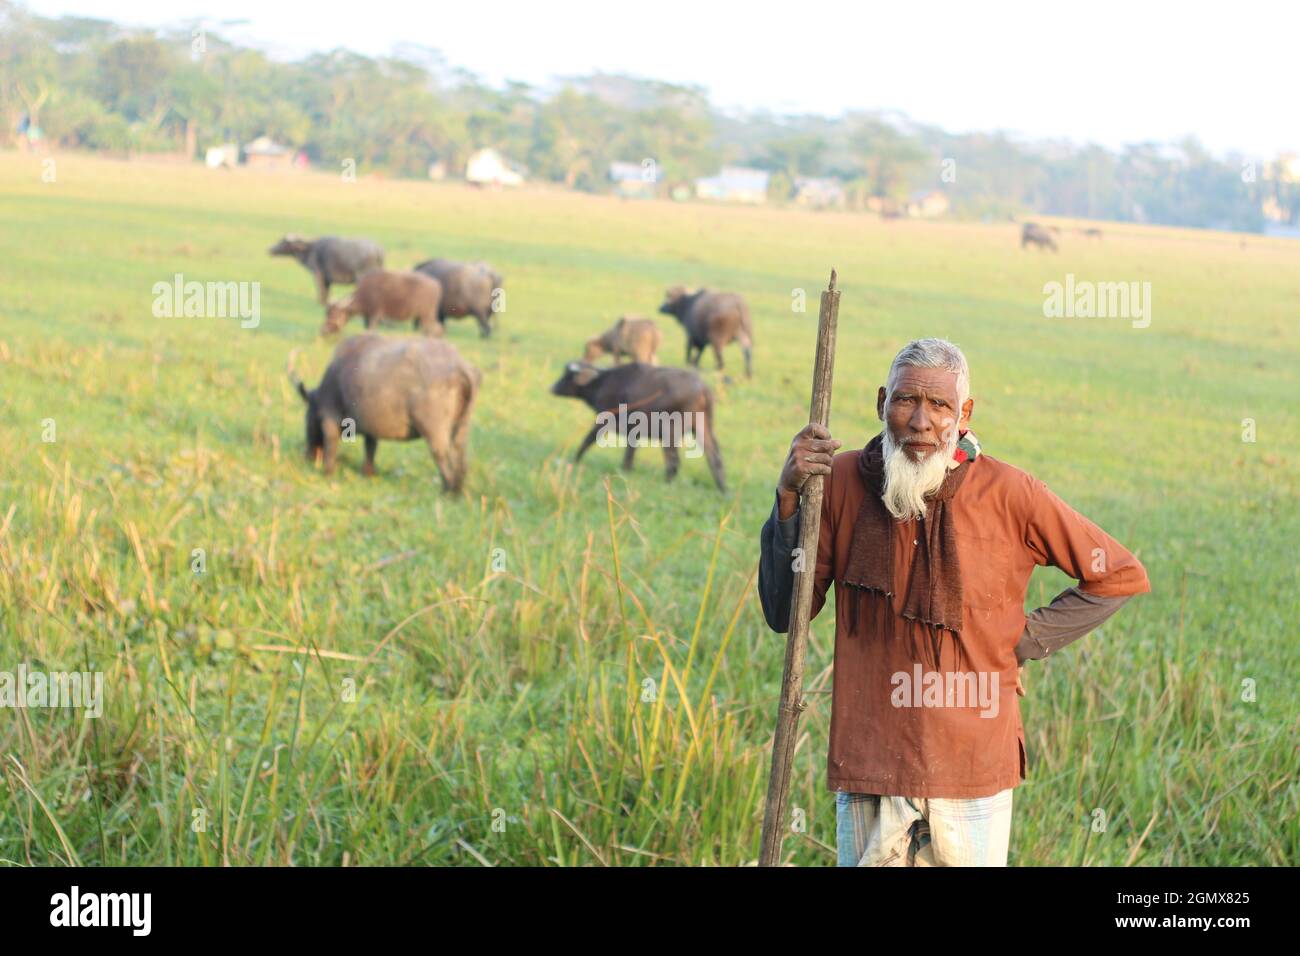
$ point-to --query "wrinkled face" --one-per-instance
(315, 434)
(922, 425)
(576, 377)
(289, 246)
(920, 410)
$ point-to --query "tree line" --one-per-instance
(91, 84)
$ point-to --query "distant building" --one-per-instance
(634, 180)
(927, 204)
(265, 153)
(817, 192)
(227, 155)
(734, 184)
(487, 167)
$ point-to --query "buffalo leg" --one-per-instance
(672, 460)
(332, 434)
(484, 324)
(587, 443)
(717, 353)
(371, 444)
(628, 454)
(322, 288)
(704, 435)
(460, 439)
(438, 436)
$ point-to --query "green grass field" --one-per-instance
(601, 689)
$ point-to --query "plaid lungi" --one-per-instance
(872, 830)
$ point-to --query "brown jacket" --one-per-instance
(895, 729)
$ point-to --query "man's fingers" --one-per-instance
(810, 469)
(814, 430)
(814, 446)
(820, 459)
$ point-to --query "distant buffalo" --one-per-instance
(331, 259)
(1093, 233)
(394, 389)
(468, 288)
(711, 318)
(633, 336)
(1034, 234)
(390, 297)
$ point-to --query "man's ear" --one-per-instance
(880, 403)
(966, 411)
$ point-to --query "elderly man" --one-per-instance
(931, 543)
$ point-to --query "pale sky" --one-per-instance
(1101, 71)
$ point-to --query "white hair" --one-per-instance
(933, 353)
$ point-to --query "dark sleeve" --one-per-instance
(776, 567)
(1072, 614)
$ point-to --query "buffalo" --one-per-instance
(646, 403)
(331, 259)
(1033, 233)
(711, 318)
(468, 288)
(396, 389)
(633, 336)
(390, 297)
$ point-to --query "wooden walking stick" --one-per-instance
(810, 519)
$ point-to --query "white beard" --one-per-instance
(907, 482)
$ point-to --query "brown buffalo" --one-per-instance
(634, 336)
(389, 297)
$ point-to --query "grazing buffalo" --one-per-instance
(389, 297)
(395, 389)
(1038, 236)
(634, 336)
(646, 403)
(1093, 233)
(331, 259)
(711, 318)
(468, 288)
